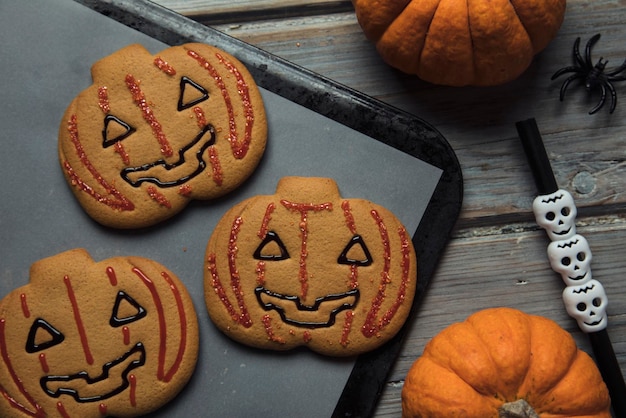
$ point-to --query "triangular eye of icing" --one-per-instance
(126, 310)
(355, 253)
(191, 93)
(115, 130)
(271, 248)
(42, 335)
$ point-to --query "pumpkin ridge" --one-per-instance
(537, 326)
(394, 20)
(421, 52)
(471, 38)
(496, 394)
(521, 21)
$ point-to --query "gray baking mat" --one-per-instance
(47, 50)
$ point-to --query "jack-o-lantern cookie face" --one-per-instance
(154, 132)
(306, 267)
(84, 339)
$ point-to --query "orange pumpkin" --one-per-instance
(448, 42)
(502, 359)
(83, 339)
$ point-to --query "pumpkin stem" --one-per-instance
(517, 409)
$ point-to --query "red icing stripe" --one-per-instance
(303, 209)
(140, 100)
(200, 117)
(112, 276)
(133, 389)
(266, 220)
(161, 315)
(347, 213)
(260, 273)
(164, 66)
(158, 197)
(239, 148)
(25, 309)
(347, 327)
(243, 317)
(182, 343)
(372, 326)
(44, 363)
(216, 167)
(62, 410)
(103, 99)
(269, 330)
(78, 320)
(244, 95)
(161, 373)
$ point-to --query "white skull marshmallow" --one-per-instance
(571, 258)
(587, 304)
(556, 213)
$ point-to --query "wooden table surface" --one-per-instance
(497, 254)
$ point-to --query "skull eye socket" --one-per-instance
(125, 310)
(115, 130)
(565, 211)
(191, 93)
(597, 302)
(42, 335)
(550, 216)
(581, 256)
(355, 253)
(582, 307)
(566, 261)
(271, 248)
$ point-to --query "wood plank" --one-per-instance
(224, 11)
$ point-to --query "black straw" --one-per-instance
(610, 370)
(600, 341)
(537, 156)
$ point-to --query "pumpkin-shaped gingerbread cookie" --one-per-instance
(83, 339)
(154, 132)
(306, 267)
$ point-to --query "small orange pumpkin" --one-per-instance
(499, 359)
(448, 42)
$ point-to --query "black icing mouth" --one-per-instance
(84, 388)
(292, 311)
(165, 174)
(562, 232)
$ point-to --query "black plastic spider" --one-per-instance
(592, 75)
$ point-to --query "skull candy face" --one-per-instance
(571, 258)
(587, 304)
(556, 213)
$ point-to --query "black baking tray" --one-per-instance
(388, 125)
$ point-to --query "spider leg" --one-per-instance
(578, 60)
(566, 83)
(590, 45)
(567, 70)
(613, 96)
(602, 99)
